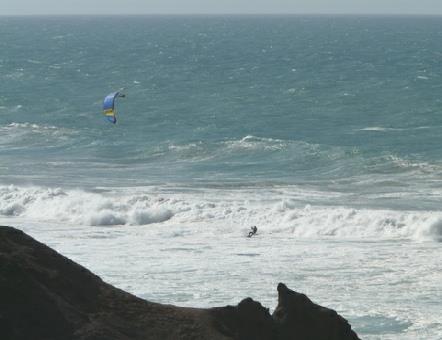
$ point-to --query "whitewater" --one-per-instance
(324, 132)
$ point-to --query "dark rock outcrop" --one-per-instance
(247, 321)
(44, 295)
(297, 315)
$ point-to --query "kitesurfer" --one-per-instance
(252, 231)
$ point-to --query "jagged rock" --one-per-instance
(297, 317)
(44, 295)
(248, 321)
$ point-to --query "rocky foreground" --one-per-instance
(44, 295)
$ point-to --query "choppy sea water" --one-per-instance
(322, 131)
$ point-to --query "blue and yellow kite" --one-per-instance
(109, 106)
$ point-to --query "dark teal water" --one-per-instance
(349, 104)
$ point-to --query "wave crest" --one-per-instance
(222, 210)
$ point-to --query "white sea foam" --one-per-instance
(201, 151)
(79, 207)
(16, 75)
(16, 133)
(408, 164)
(256, 143)
(30, 126)
(386, 129)
(432, 230)
(33, 61)
(274, 212)
(378, 128)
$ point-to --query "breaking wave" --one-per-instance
(227, 210)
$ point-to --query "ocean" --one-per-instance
(323, 131)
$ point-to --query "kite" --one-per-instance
(109, 106)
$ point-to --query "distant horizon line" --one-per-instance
(227, 14)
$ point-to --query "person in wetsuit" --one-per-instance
(252, 231)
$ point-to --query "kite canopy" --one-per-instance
(109, 107)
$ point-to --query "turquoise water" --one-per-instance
(218, 100)
(309, 127)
